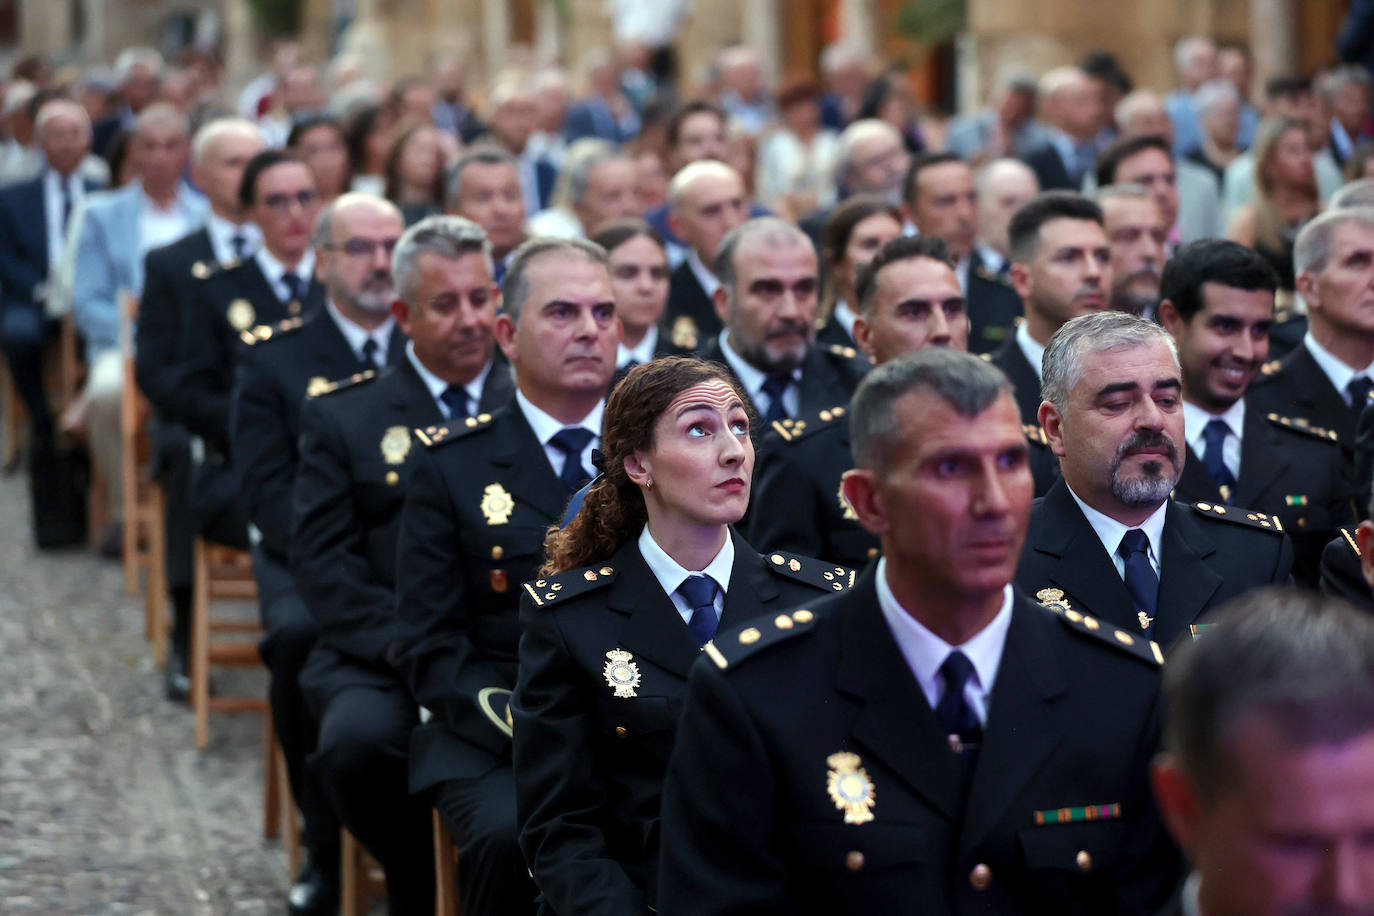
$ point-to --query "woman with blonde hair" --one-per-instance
(635, 587)
(1285, 195)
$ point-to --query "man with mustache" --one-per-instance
(1137, 235)
(767, 303)
(1107, 540)
(1061, 268)
(1218, 305)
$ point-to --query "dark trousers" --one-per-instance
(289, 635)
(361, 761)
(23, 332)
(493, 879)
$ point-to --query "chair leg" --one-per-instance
(271, 787)
(353, 893)
(97, 508)
(200, 645)
(445, 870)
(155, 598)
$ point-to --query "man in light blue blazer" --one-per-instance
(118, 228)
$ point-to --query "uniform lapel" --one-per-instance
(412, 399)
(1186, 583)
(1081, 566)
(521, 451)
(331, 347)
(654, 629)
(499, 386)
(1261, 462)
(396, 346)
(752, 586)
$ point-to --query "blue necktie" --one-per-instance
(239, 242)
(774, 386)
(295, 287)
(572, 442)
(956, 716)
(455, 398)
(1359, 389)
(700, 592)
(370, 349)
(1214, 438)
(1141, 580)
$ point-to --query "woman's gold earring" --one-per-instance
(649, 483)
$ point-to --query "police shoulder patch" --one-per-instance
(1147, 650)
(1238, 516)
(1300, 425)
(790, 430)
(1273, 367)
(343, 384)
(813, 572)
(266, 332)
(843, 351)
(734, 646)
(549, 590)
(453, 430)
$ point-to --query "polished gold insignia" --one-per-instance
(777, 559)
(392, 478)
(783, 622)
(1145, 619)
(241, 315)
(318, 386)
(200, 270)
(794, 565)
(621, 673)
(684, 333)
(1053, 598)
(849, 787)
(1049, 594)
(589, 575)
(749, 635)
(846, 508)
(606, 570)
(396, 444)
(803, 616)
(497, 504)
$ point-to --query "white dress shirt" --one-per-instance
(1109, 531)
(708, 280)
(438, 386)
(925, 652)
(52, 208)
(222, 234)
(1195, 420)
(546, 427)
(671, 575)
(274, 270)
(1033, 349)
(642, 352)
(752, 379)
(1337, 371)
(158, 227)
(357, 335)
(845, 316)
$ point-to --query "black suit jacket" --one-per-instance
(750, 823)
(829, 374)
(357, 450)
(993, 308)
(480, 500)
(1341, 573)
(1049, 168)
(590, 764)
(24, 256)
(1296, 386)
(172, 286)
(1207, 557)
(231, 302)
(690, 311)
(1293, 473)
(1024, 379)
(833, 334)
(272, 379)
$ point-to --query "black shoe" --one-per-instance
(178, 678)
(315, 891)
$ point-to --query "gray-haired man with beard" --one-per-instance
(1107, 540)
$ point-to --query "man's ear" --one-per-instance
(721, 300)
(860, 489)
(400, 310)
(1178, 802)
(1306, 284)
(1020, 280)
(863, 336)
(1364, 537)
(1170, 318)
(504, 331)
(1053, 424)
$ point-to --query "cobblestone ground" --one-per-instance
(105, 805)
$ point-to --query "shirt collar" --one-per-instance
(274, 270)
(643, 353)
(52, 183)
(961, 269)
(1195, 419)
(222, 233)
(750, 376)
(925, 652)
(546, 427)
(1338, 372)
(1109, 530)
(670, 573)
(845, 316)
(1033, 349)
(990, 258)
(1189, 895)
(438, 386)
(357, 335)
(1341, 137)
(180, 204)
(708, 280)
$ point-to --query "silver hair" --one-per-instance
(516, 287)
(583, 156)
(162, 113)
(205, 138)
(1350, 75)
(58, 108)
(1312, 249)
(130, 58)
(855, 134)
(1358, 193)
(1212, 92)
(1133, 101)
(771, 230)
(1186, 46)
(689, 173)
(449, 237)
(966, 383)
(1062, 364)
(477, 154)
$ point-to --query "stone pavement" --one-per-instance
(105, 805)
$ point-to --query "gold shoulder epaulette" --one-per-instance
(734, 646)
(316, 389)
(1239, 516)
(1271, 368)
(1052, 599)
(1299, 425)
(812, 572)
(271, 331)
(448, 432)
(1348, 535)
(791, 430)
(985, 357)
(842, 350)
(1035, 433)
(991, 277)
(552, 589)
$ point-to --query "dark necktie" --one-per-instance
(572, 442)
(370, 349)
(1359, 389)
(1141, 580)
(499, 270)
(455, 398)
(956, 716)
(1084, 154)
(239, 241)
(295, 287)
(65, 185)
(700, 593)
(1214, 441)
(774, 386)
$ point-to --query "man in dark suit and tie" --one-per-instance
(1108, 540)
(706, 200)
(1327, 380)
(356, 454)
(33, 224)
(1070, 107)
(1218, 305)
(1004, 186)
(929, 741)
(482, 493)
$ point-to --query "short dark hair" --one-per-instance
(1123, 149)
(305, 125)
(1023, 231)
(902, 248)
(1277, 87)
(1302, 662)
(673, 129)
(1212, 261)
(1104, 66)
(920, 164)
(248, 187)
(846, 216)
(617, 232)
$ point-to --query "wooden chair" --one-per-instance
(72, 375)
(446, 901)
(279, 815)
(220, 573)
(13, 416)
(361, 878)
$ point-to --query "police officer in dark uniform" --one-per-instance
(1343, 569)
(854, 231)
(929, 742)
(1217, 302)
(356, 451)
(767, 302)
(908, 298)
(1327, 380)
(482, 494)
(277, 366)
(639, 279)
(614, 623)
(174, 279)
(1108, 540)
